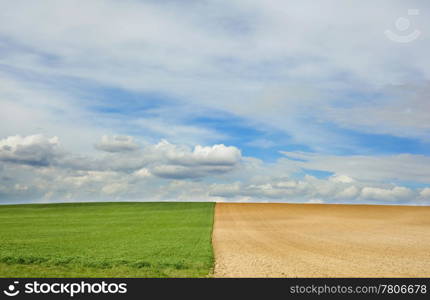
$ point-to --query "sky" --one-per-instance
(243, 101)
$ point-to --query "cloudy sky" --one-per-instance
(245, 100)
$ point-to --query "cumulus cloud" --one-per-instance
(164, 160)
(36, 150)
(166, 171)
(144, 172)
(348, 193)
(178, 162)
(209, 155)
(325, 190)
(395, 194)
(182, 172)
(341, 179)
(117, 143)
(175, 172)
(276, 189)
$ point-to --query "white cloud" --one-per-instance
(30, 107)
(276, 190)
(341, 179)
(309, 188)
(175, 172)
(402, 112)
(81, 178)
(114, 188)
(315, 201)
(179, 162)
(175, 130)
(348, 193)
(144, 172)
(268, 63)
(164, 159)
(20, 187)
(31, 150)
(282, 65)
(210, 155)
(406, 167)
(33, 167)
(394, 194)
(117, 144)
(425, 193)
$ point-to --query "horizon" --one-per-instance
(230, 202)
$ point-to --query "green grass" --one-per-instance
(106, 240)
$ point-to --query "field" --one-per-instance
(304, 240)
(249, 240)
(106, 240)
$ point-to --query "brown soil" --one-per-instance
(314, 240)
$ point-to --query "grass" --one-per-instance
(106, 240)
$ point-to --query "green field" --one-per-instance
(106, 240)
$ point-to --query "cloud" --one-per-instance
(325, 190)
(402, 111)
(276, 189)
(348, 193)
(144, 172)
(394, 194)
(425, 193)
(175, 129)
(117, 144)
(163, 159)
(176, 172)
(114, 188)
(401, 167)
(81, 178)
(302, 71)
(315, 201)
(181, 162)
(210, 155)
(341, 179)
(282, 65)
(34, 150)
(35, 168)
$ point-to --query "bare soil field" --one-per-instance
(314, 240)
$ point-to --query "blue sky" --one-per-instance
(290, 101)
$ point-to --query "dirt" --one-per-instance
(317, 240)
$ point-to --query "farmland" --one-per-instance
(318, 240)
(249, 240)
(106, 240)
